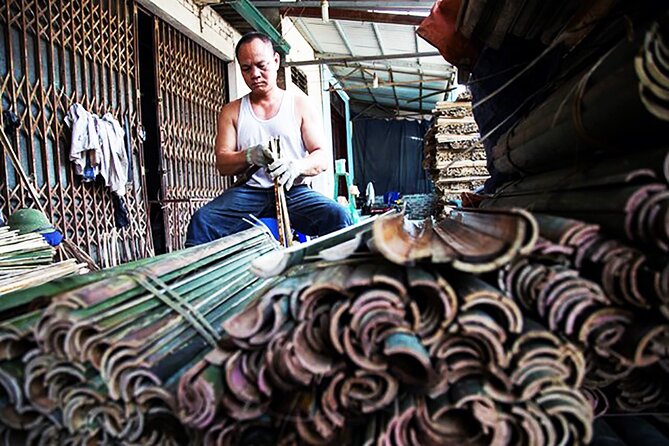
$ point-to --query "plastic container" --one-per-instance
(340, 167)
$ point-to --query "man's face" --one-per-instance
(259, 64)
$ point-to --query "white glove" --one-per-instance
(285, 171)
(259, 155)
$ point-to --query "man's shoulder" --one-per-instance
(231, 109)
(300, 96)
(233, 104)
(302, 102)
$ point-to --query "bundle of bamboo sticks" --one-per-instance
(96, 358)
(491, 21)
(613, 105)
(453, 154)
(383, 354)
(27, 260)
(369, 352)
(376, 334)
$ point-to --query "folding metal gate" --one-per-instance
(192, 90)
(54, 53)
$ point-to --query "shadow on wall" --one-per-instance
(389, 153)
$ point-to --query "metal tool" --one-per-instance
(282, 217)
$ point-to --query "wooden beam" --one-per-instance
(414, 84)
(354, 15)
(360, 58)
(396, 5)
(408, 68)
(444, 91)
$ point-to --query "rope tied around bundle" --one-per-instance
(162, 291)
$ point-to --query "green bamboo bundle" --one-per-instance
(23, 250)
(98, 357)
(27, 260)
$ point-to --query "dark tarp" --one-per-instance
(389, 153)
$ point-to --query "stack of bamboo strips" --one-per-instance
(453, 154)
(27, 260)
(96, 358)
(382, 354)
(583, 117)
(607, 297)
(378, 353)
(599, 190)
(375, 334)
(370, 352)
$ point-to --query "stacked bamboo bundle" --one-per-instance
(97, 358)
(372, 352)
(375, 334)
(582, 117)
(593, 168)
(382, 354)
(453, 154)
(27, 260)
(608, 298)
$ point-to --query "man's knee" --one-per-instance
(197, 228)
(344, 216)
(338, 217)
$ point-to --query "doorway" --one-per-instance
(149, 106)
(339, 149)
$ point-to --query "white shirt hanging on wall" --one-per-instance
(102, 141)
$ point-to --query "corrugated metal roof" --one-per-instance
(411, 83)
(402, 82)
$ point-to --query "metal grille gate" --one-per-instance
(54, 53)
(192, 90)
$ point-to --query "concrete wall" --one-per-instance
(202, 24)
(236, 85)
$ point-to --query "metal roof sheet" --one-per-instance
(402, 82)
(408, 83)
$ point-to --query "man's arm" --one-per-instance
(229, 161)
(312, 136)
(286, 171)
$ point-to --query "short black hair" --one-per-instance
(249, 37)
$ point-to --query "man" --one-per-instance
(245, 127)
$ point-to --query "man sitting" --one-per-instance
(245, 127)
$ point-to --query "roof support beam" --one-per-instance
(258, 21)
(420, 5)
(359, 58)
(420, 70)
(429, 95)
(404, 86)
(355, 95)
(388, 84)
(379, 40)
(354, 15)
(349, 47)
(397, 64)
(410, 69)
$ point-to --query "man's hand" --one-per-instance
(285, 171)
(259, 155)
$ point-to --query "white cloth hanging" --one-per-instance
(102, 141)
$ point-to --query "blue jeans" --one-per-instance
(310, 213)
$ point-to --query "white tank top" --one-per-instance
(252, 130)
